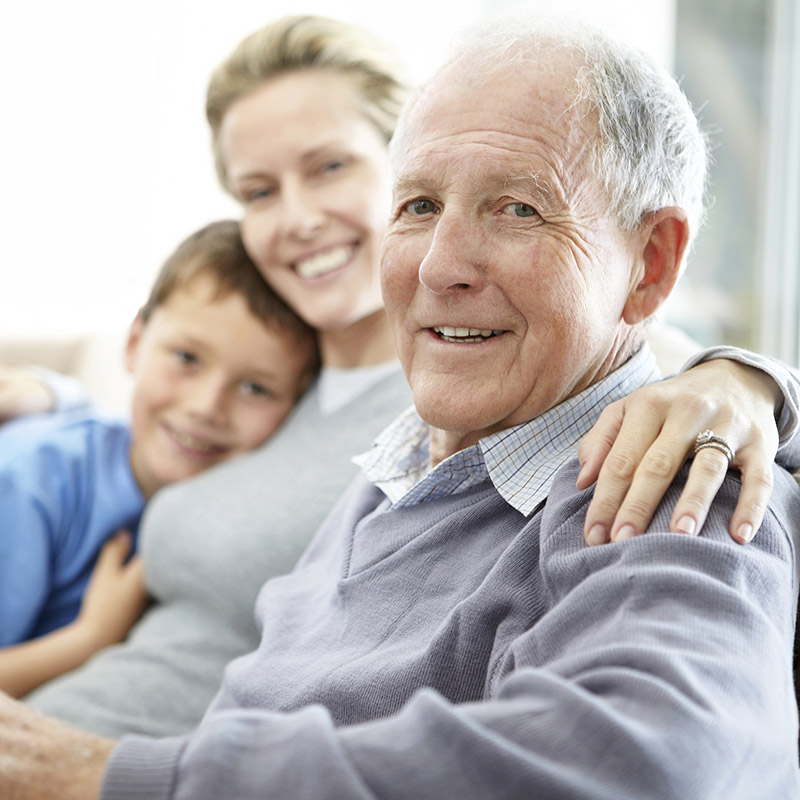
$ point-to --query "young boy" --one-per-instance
(218, 361)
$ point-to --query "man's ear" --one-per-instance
(132, 342)
(664, 238)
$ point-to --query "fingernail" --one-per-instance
(625, 532)
(597, 534)
(686, 524)
(745, 532)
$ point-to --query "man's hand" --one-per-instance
(639, 444)
(41, 759)
(22, 393)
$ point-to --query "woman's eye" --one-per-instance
(254, 195)
(420, 207)
(520, 210)
(332, 166)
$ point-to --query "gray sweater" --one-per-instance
(457, 649)
(208, 545)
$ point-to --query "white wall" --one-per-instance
(104, 152)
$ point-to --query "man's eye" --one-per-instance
(520, 210)
(420, 207)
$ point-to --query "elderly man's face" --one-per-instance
(503, 273)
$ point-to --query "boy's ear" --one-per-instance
(132, 342)
(664, 237)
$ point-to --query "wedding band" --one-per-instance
(710, 439)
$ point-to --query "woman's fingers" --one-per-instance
(639, 444)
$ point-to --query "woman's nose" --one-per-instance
(301, 213)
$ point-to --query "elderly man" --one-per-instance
(449, 633)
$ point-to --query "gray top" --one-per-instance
(210, 543)
(456, 648)
(208, 546)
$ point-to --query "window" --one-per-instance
(738, 62)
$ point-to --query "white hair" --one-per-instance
(650, 152)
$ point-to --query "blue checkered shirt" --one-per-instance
(520, 461)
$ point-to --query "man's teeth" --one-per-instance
(449, 334)
(324, 262)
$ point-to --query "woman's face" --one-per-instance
(312, 174)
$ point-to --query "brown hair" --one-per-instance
(217, 250)
(297, 43)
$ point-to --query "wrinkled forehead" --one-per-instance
(530, 102)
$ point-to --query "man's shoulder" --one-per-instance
(566, 505)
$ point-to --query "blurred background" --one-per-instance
(105, 158)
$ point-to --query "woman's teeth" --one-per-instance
(449, 334)
(323, 262)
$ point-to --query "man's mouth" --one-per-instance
(464, 335)
(322, 263)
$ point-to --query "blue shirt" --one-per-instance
(66, 486)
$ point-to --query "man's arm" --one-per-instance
(661, 669)
(42, 759)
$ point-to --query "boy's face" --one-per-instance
(210, 381)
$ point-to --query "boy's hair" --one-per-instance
(298, 43)
(217, 250)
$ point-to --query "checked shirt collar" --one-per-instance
(520, 461)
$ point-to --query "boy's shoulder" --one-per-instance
(67, 430)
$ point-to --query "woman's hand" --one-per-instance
(22, 393)
(640, 442)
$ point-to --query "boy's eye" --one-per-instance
(185, 356)
(420, 207)
(253, 389)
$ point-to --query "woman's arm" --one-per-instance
(639, 443)
(114, 600)
(30, 390)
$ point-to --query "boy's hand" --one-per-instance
(22, 393)
(115, 596)
(640, 442)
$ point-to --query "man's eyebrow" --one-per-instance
(535, 177)
(415, 182)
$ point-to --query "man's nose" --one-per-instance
(454, 259)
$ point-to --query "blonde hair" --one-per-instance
(298, 43)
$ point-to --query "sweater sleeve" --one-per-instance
(788, 381)
(660, 669)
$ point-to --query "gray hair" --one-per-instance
(650, 152)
